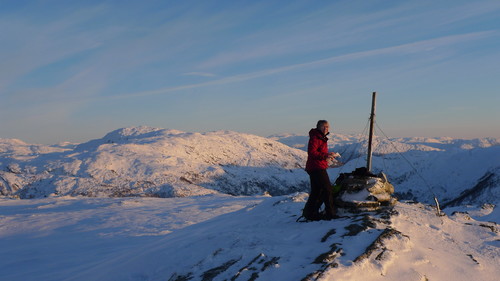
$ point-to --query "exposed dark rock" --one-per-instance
(185, 277)
(328, 234)
(212, 273)
(378, 244)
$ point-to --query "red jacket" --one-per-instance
(317, 151)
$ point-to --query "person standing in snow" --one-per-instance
(316, 165)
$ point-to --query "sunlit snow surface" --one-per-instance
(219, 237)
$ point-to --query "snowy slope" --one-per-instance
(145, 161)
(220, 237)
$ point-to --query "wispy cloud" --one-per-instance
(75, 57)
(78, 40)
(404, 49)
(467, 11)
(30, 45)
(334, 27)
(202, 74)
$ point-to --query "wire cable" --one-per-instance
(414, 169)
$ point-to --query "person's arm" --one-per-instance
(313, 150)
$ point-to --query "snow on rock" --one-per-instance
(145, 161)
(265, 243)
(422, 246)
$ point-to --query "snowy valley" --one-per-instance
(146, 203)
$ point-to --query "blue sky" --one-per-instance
(75, 70)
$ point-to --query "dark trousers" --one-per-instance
(321, 193)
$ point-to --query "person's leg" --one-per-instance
(311, 209)
(327, 194)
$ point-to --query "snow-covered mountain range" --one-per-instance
(145, 161)
(154, 162)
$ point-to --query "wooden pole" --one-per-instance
(370, 139)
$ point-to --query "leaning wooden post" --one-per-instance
(372, 120)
